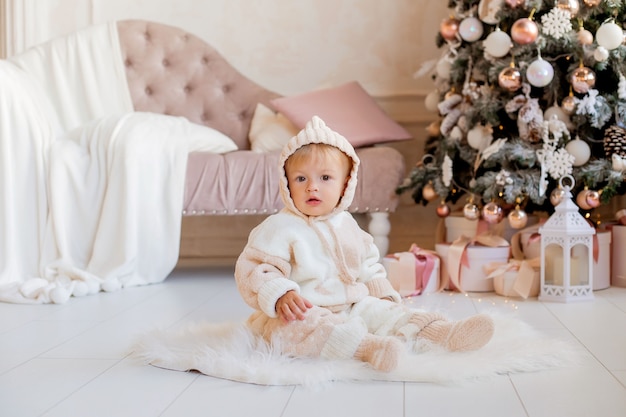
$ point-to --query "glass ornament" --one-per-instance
(582, 79)
(497, 43)
(449, 28)
(572, 6)
(580, 150)
(584, 37)
(510, 78)
(540, 73)
(471, 29)
(593, 199)
(524, 31)
(556, 196)
(492, 213)
(568, 104)
(609, 35)
(443, 210)
(429, 193)
(471, 211)
(518, 218)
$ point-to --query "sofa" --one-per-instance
(162, 64)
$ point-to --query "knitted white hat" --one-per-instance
(316, 131)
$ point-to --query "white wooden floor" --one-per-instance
(72, 360)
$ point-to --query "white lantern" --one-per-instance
(566, 253)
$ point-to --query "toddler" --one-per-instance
(314, 277)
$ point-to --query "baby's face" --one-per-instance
(316, 185)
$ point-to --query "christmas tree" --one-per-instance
(528, 92)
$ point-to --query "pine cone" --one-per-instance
(615, 141)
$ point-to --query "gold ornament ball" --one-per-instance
(524, 31)
(585, 37)
(429, 193)
(593, 199)
(518, 218)
(582, 79)
(581, 200)
(572, 6)
(569, 105)
(471, 211)
(492, 213)
(449, 28)
(556, 196)
(510, 78)
(443, 210)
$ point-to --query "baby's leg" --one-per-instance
(392, 319)
(468, 334)
(331, 336)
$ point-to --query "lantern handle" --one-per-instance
(571, 182)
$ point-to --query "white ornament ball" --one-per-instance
(540, 73)
(59, 295)
(609, 35)
(558, 112)
(443, 68)
(498, 43)
(471, 29)
(432, 101)
(601, 54)
(580, 150)
(479, 137)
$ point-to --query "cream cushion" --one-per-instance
(269, 131)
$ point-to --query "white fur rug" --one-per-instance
(231, 351)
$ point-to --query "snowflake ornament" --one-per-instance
(557, 23)
(560, 163)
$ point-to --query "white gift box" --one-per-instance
(405, 272)
(618, 259)
(473, 278)
(602, 268)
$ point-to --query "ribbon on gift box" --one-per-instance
(457, 254)
(422, 261)
(525, 277)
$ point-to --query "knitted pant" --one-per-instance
(337, 335)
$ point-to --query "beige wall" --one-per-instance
(290, 47)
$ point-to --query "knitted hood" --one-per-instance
(316, 131)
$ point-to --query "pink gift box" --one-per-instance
(414, 272)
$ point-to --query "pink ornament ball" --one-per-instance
(524, 31)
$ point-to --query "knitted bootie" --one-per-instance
(469, 334)
(380, 352)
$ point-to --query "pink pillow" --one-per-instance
(347, 109)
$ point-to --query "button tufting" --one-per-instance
(226, 88)
(128, 62)
(148, 91)
(187, 89)
(204, 117)
(166, 62)
(147, 36)
(205, 60)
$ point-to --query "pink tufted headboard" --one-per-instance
(173, 72)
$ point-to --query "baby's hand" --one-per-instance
(292, 306)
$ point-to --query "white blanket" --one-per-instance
(90, 193)
(232, 351)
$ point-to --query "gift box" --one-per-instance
(602, 261)
(516, 278)
(413, 272)
(618, 259)
(463, 267)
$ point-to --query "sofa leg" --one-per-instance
(379, 227)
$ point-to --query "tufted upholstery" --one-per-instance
(173, 72)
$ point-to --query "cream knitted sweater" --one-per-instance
(329, 259)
